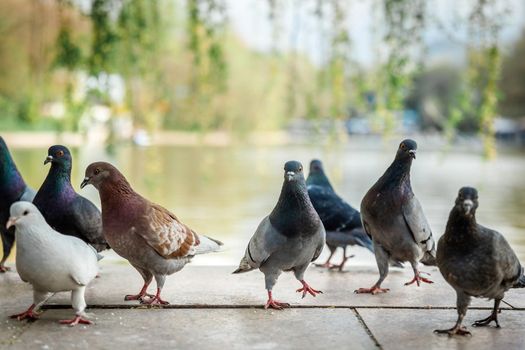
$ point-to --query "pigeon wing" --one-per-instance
(87, 221)
(507, 260)
(263, 243)
(335, 213)
(165, 233)
(418, 225)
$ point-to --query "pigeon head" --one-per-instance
(100, 173)
(24, 213)
(467, 201)
(293, 171)
(316, 166)
(407, 149)
(59, 155)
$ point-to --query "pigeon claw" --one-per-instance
(326, 265)
(274, 304)
(4, 269)
(456, 330)
(139, 297)
(374, 290)
(486, 321)
(28, 315)
(76, 320)
(307, 289)
(418, 279)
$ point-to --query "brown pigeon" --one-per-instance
(149, 236)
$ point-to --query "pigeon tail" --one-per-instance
(99, 257)
(520, 283)
(244, 266)
(208, 245)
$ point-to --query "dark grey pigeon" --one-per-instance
(288, 239)
(394, 218)
(64, 210)
(342, 222)
(12, 189)
(476, 261)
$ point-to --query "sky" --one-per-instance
(298, 28)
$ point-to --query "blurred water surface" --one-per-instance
(225, 191)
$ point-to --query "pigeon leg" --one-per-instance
(76, 320)
(307, 289)
(493, 317)
(155, 300)
(342, 264)
(462, 303)
(327, 263)
(29, 314)
(382, 264)
(274, 304)
(417, 277)
(147, 276)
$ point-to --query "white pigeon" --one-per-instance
(51, 262)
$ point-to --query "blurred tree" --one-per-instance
(512, 84)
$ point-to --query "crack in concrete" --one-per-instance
(367, 329)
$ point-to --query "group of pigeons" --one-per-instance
(60, 234)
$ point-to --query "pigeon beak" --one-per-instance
(467, 206)
(412, 153)
(85, 182)
(10, 222)
(49, 159)
(290, 175)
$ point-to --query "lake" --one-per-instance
(224, 192)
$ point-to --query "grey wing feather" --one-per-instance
(28, 195)
(321, 243)
(264, 242)
(418, 225)
(508, 261)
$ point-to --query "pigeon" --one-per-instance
(342, 222)
(12, 189)
(151, 238)
(394, 219)
(64, 210)
(51, 262)
(476, 261)
(288, 239)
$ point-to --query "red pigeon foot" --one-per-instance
(374, 290)
(141, 294)
(4, 269)
(155, 300)
(274, 304)
(77, 320)
(417, 278)
(307, 289)
(28, 314)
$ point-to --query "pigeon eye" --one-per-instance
(97, 171)
(60, 153)
(26, 212)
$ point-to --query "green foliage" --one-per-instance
(102, 56)
(68, 53)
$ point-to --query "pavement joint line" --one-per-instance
(367, 329)
(260, 306)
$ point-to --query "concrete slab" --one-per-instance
(413, 329)
(200, 329)
(207, 285)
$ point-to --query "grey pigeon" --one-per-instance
(64, 209)
(394, 219)
(12, 189)
(342, 222)
(152, 239)
(51, 262)
(476, 261)
(288, 239)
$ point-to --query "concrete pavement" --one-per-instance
(213, 309)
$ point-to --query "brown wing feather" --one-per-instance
(167, 235)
